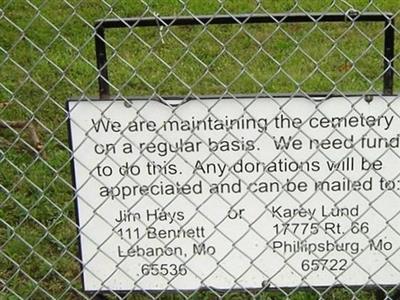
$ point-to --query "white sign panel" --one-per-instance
(237, 193)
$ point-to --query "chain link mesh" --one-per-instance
(47, 56)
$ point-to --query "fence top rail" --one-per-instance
(353, 16)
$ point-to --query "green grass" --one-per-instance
(47, 56)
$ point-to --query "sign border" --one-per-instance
(317, 97)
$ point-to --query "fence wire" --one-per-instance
(57, 230)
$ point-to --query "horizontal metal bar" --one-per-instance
(243, 19)
(319, 96)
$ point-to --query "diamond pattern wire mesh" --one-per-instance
(47, 55)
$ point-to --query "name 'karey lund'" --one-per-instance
(281, 212)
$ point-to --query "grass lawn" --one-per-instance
(47, 55)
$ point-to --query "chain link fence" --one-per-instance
(219, 149)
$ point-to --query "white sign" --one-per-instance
(237, 193)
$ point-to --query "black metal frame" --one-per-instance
(102, 25)
(384, 17)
